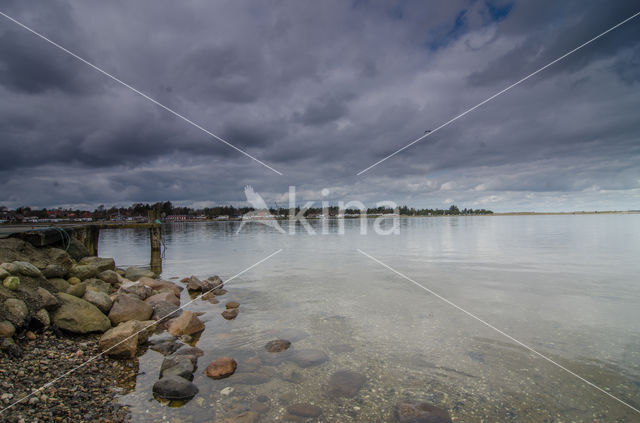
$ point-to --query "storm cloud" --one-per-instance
(320, 91)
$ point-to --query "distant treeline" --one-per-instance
(166, 208)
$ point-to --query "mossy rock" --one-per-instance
(11, 282)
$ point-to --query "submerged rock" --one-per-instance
(174, 388)
(345, 383)
(244, 417)
(79, 316)
(420, 412)
(221, 367)
(178, 365)
(278, 345)
(304, 410)
(230, 313)
(257, 377)
(309, 357)
(232, 304)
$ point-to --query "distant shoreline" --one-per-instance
(561, 213)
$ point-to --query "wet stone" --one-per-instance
(304, 410)
(230, 314)
(309, 357)
(232, 304)
(181, 365)
(258, 377)
(221, 367)
(278, 345)
(345, 383)
(420, 412)
(174, 388)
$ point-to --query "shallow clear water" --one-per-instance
(567, 286)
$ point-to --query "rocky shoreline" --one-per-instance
(65, 313)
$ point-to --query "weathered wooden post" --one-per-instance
(155, 237)
(89, 235)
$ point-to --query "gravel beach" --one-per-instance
(85, 395)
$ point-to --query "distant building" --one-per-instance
(222, 217)
(177, 217)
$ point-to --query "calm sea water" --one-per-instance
(567, 286)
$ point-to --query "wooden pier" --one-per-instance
(42, 235)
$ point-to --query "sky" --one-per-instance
(320, 91)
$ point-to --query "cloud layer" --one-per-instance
(320, 91)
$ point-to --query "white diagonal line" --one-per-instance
(499, 93)
(189, 121)
(497, 330)
(46, 385)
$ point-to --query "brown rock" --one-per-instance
(219, 291)
(49, 301)
(194, 284)
(108, 276)
(230, 314)
(127, 308)
(101, 263)
(221, 367)
(278, 345)
(232, 304)
(162, 297)
(304, 410)
(186, 324)
(420, 412)
(142, 292)
(209, 296)
(123, 340)
(7, 329)
(160, 285)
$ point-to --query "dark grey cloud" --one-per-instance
(320, 91)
